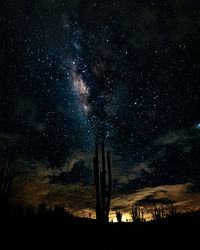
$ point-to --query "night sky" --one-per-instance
(74, 73)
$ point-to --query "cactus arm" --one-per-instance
(109, 184)
(96, 183)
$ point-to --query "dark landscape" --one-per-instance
(60, 231)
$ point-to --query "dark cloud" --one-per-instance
(151, 200)
(173, 159)
(176, 166)
(193, 187)
(154, 23)
(80, 173)
(27, 111)
(32, 185)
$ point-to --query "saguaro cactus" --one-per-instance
(102, 184)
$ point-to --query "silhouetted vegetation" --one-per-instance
(159, 213)
(53, 227)
(119, 216)
(137, 214)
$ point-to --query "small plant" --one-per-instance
(119, 216)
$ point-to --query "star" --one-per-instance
(197, 126)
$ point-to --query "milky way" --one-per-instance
(91, 75)
(81, 89)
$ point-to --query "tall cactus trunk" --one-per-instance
(96, 183)
(103, 182)
(103, 194)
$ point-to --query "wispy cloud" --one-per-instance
(32, 186)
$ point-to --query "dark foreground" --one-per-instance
(64, 232)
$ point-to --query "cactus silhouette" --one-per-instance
(137, 214)
(5, 183)
(103, 191)
(161, 212)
